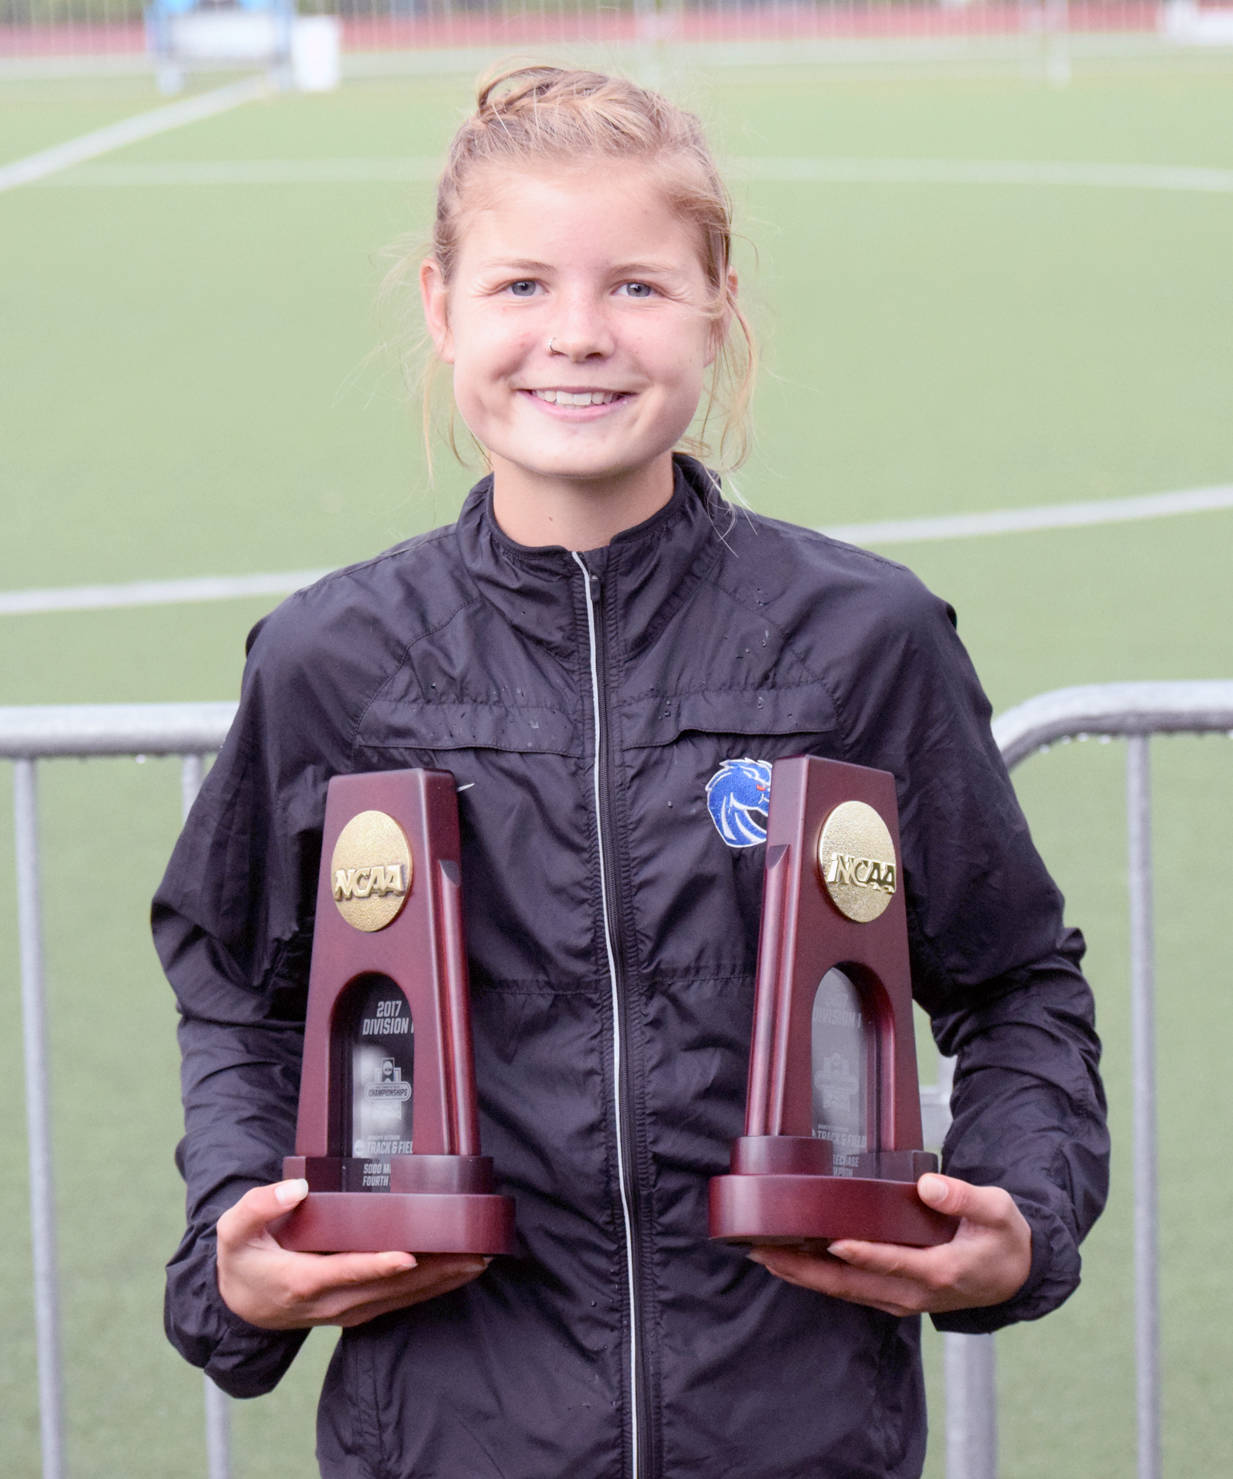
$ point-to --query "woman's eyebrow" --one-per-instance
(514, 264)
(531, 267)
(646, 269)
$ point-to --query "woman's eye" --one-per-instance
(638, 290)
(523, 288)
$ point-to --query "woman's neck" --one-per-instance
(577, 513)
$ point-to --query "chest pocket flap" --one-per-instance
(660, 719)
(405, 724)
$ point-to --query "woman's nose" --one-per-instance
(581, 332)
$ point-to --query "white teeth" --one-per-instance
(577, 398)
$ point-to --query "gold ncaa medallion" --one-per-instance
(370, 871)
(856, 859)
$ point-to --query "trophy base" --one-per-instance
(782, 1190)
(453, 1209)
(814, 1210)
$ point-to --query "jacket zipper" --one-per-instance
(623, 1114)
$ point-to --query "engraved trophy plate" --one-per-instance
(839, 1030)
(832, 1142)
(381, 1070)
(387, 1134)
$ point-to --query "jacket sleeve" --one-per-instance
(1029, 1114)
(232, 922)
(993, 962)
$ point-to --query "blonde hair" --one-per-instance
(536, 115)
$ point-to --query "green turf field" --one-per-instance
(194, 385)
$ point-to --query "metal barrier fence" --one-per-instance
(1133, 711)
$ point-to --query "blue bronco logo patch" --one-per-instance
(738, 796)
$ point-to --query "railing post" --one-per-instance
(192, 772)
(969, 1362)
(217, 1403)
(38, 1119)
(217, 1430)
(970, 1372)
(1143, 1077)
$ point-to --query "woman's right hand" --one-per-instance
(276, 1289)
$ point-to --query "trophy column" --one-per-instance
(387, 1134)
(832, 1143)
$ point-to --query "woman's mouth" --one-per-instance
(578, 397)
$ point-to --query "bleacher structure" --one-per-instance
(175, 38)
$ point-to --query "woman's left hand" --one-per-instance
(986, 1262)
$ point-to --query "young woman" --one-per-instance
(586, 649)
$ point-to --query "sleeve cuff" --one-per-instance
(1053, 1276)
(243, 1360)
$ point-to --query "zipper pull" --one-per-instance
(592, 580)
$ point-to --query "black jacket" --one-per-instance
(611, 932)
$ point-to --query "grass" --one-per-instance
(196, 387)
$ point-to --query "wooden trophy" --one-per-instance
(387, 1135)
(832, 1142)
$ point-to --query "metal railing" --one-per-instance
(27, 736)
(1134, 711)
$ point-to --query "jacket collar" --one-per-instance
(646, 573)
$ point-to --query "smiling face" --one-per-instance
(580, 323)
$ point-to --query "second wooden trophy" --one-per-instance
(387, 1135)
(832, 1142)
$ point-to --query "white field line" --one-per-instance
(1043, 517)
(50, 162)
(353, 171)
(802, 171)
(890, 531)
(990, 172)
(153, 592)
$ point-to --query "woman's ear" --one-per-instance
(435, 298)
